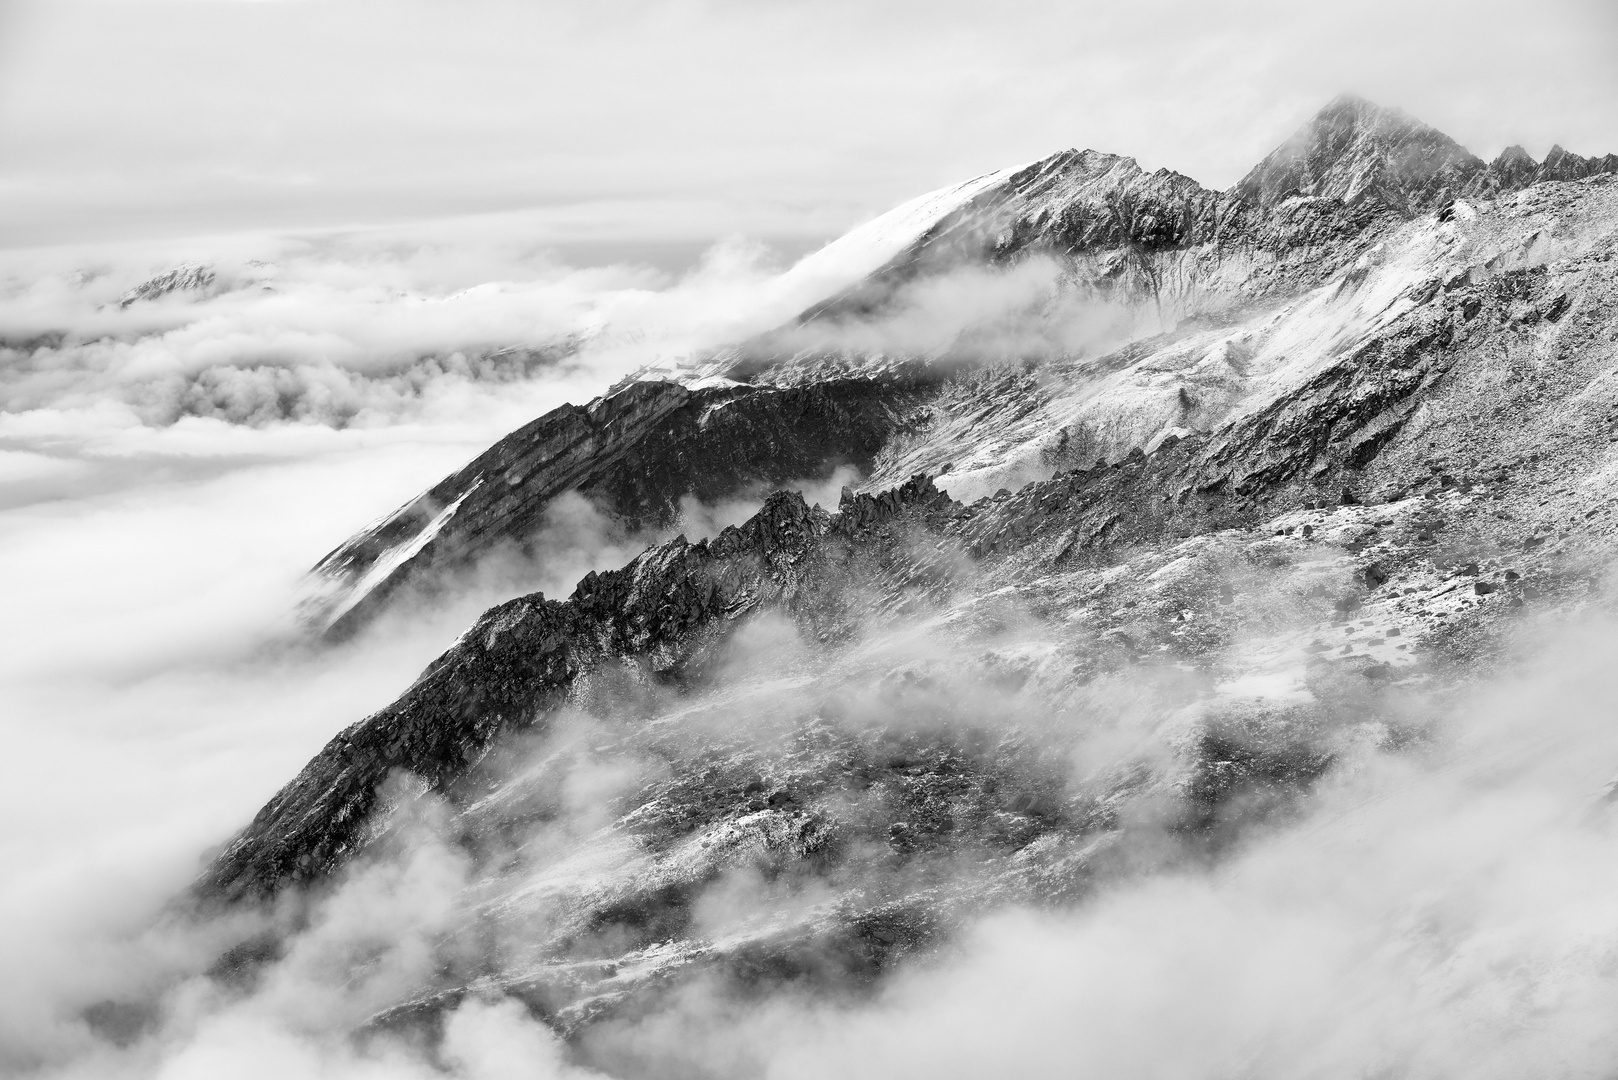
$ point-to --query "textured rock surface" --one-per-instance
(637, 452)
(1208, 565)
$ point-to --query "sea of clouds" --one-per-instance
(169, 469)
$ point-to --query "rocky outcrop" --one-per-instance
(525, 658)
(636, 453)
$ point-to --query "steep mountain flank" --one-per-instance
(1120, 234)
(906, 780)
(1082, 615)
(637, 452)
(1415, 295)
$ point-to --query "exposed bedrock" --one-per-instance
(636, 453)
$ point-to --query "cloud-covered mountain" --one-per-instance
(1153, 308)
(1182, 542)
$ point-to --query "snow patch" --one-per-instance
(386, 564)
(869, 247)
(1282, 686)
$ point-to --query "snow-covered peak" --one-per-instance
(869, 247)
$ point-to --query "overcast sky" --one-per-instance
(661, 120)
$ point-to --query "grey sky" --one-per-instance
(665, 120)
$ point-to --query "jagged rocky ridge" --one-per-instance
(1251, 286)
(637, 453)
(1254, 544)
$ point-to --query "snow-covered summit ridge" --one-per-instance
(1134, 236)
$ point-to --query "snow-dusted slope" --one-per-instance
(867, 248)
(1015, 426)
(1097, 309)
(1179, 582)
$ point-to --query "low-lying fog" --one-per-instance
(169, 469)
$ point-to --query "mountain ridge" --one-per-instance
(1236, 550)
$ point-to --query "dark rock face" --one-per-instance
(637, 453)
(519, 661)
(1348, 477)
